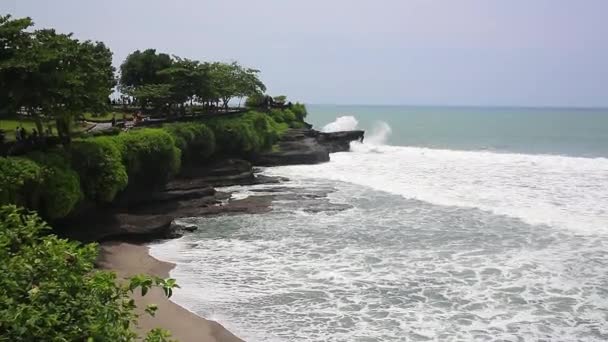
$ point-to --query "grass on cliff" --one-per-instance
(8, 127)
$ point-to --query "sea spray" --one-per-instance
(374, 138)
(342, 123)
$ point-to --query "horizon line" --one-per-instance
(604, 107)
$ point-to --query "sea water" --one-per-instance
(446, 224)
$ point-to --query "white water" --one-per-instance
(343, 123)
(437, 245)
(567, 192)
(562, 191)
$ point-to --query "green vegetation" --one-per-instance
(20, 181)
(98, 162)
(99, 168)
(150, 156)
(166, 83)
(194, 139)
(246, 134)
(50, 290)
(60, 190)
(53, 76)
(9, 125)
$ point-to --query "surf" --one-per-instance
(563, 191)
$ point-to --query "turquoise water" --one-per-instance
(575, 132)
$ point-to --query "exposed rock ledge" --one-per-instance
(307, 146)
(149, 216)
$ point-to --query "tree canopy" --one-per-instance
(167, 83)
(52, 74)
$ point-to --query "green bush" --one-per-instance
(50, 290)
(299, 109)
(282, 115)
(61, 189)
(195, 140)
(246, 134)
(293, 117)
(98, 162)
(20, 182)
(150, 156)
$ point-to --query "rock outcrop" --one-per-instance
(307, 146)
(149, 216)
(145, 216)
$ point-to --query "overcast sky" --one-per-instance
(435, 52)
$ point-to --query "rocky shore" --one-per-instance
(136, 219)
(150, 216)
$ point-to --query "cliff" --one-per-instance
(307, 146)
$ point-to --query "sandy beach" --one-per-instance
(129, 259)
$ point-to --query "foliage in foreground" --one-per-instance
(49, 290)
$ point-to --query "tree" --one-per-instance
(73, 77)
(223, 81)
(186, 79)
(142, 69)
(13, 40)
(232, 80)
(248, 83)
(50, 291)
(53, 74)
(156, 95)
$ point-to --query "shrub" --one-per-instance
(246, 134)
(61, 189)
(150, 156)
(299, 109)
(50, 291)
(98, 162)
(195, 140)
(20, 182)
(282, 115)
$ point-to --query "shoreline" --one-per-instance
(128, 259)
(136, 221)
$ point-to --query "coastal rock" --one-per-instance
(226, 172)
(179, 227)
(307, 146)
(339, 141)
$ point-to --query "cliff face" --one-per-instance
(307, 146)
(149, 215)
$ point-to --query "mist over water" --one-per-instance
(395, 243)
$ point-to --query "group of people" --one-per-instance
(22, 135)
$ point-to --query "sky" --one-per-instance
(416, 52)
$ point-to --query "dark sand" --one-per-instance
(128, 259)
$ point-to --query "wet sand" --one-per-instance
(129, 259)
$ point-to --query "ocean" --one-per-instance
(446, 224)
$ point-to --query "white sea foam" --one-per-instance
(421, 254)
(563, 191)
(342, 123)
